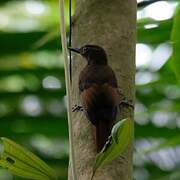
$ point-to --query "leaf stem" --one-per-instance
(68, 87)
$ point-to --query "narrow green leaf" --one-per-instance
(24, 163)
(175, 38)
(117, 127)
(46, 38)
(121, 135)
(168, 143)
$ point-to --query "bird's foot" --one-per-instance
(126, 102)
(77, 108)
(123, 159)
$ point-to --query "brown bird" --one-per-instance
(98, 91)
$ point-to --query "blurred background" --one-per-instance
(32, 87)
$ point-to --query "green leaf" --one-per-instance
(50, 36)
(24, 163)
(175, 38)
(121, 135)
(168, 143)
(175, 175)
(156, 35)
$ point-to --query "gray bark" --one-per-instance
(112, 25)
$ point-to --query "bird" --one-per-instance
(98, 90)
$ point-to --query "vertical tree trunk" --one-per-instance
(112, 25)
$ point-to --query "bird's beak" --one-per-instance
(74, 50)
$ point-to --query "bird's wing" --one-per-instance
(92, 94)
(98, 98)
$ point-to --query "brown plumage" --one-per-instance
(98, 92)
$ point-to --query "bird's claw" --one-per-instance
(77, 108)
(126, 102)
(123, 159)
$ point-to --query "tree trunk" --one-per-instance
(112, 25)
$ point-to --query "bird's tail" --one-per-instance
(103, 131)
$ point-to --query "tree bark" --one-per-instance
(112, 25)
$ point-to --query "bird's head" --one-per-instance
(92, 53)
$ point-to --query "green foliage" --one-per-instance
(21, 162)
(121, 135)
(171, 142)
(175, 38)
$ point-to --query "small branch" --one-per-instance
(68, 87)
